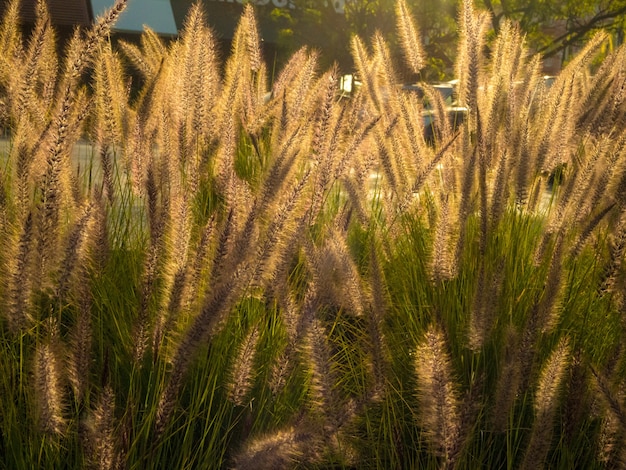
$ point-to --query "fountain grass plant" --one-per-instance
(304, 281)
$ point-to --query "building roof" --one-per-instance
(62, 12)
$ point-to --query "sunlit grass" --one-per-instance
(197, 276)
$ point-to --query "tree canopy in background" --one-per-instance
(552, 27)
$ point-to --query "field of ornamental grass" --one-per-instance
(225, 285)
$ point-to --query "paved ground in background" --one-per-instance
(84, 159)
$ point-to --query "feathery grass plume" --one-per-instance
(520, 136)
(280, 370)
(424, 173)
(291, 315)
(482, 186)
(611, 438)
(256, 112)
(136, 156)
(409, 38)
(110, 97)
(367, 69)
(546, 403)
(439, 414)
(617, 246)
(610, 443)
(394, 160)
(149, 56)
(158, 219)
(155, 214)
(613, 399)
(217, 301)
(288, 448)
(603, 98)
(48, 383)
(104, 455)
(614, 116)
(507, 65)
(241, 375)
(595, 187)
(73, 248)
(385, 79)
(106, 165)
(607, 171)
(547, 140)
(353, 295)
(196, 89)
(50, 194)
(18, 302)
(80, 50)
(55, 184)
(493, 104)
(577, 399)
(283, 226)
(325, 397)
(224, 247)
(326, 87)
(563, 102)
(98, 236)
(146, 292)
(279, 172)
(138, 59)
(70, 111)
(229, 132)
(356, 198)
(149, 113)
(439, 116)
(385, 157)
(440, 262)
(80, 357)
(500, 189)
(253, 39)
(588, 229)
(485, 305)
(32, 82)
(469, 68)
(473, 26)
(508, 55)
(168, 314)
(508, 382)
(549, 304)
(175, 268)
(573, 193)
(237, 77)
(411, 108)
(293, 86)
(175, 166)
(3, 199)
(466, 196)
(377, 312)
(10, 36)
(196, 267)
(325, 139)
(297, 317)
(298, 61)
(22, 157)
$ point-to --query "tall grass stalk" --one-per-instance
(256, 274)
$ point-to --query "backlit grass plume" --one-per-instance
(207, 265)
(439, 411)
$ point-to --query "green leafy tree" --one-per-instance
(553, 26)
(309, 23)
